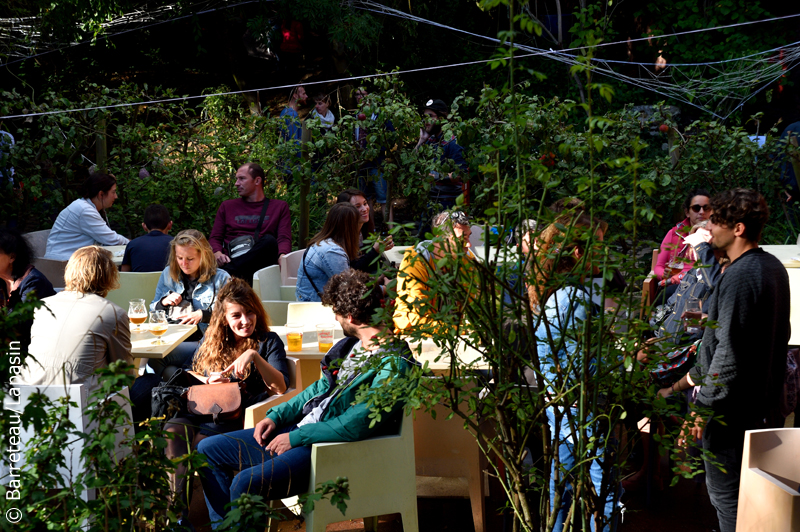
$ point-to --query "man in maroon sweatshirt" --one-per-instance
(240, 217)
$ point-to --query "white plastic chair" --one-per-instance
(255, 413)
(769, 497)
(38, 241)
(476, 238)
(380, 472)
(444, 448)
(310, 313)
(52, 269)
(276, 310)
(289, 264)
(267, 283)
(288, 293)
(79, 394)
(134, 285)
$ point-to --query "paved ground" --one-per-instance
(683, 508)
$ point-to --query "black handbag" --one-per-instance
(242, 244)
(168, 399)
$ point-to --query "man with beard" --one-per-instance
(274, 459)
(267, 221)
(741, 364)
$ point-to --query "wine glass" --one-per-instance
(693, 305)
(158, 325)
(137, 313)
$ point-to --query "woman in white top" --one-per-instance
(78, 330)
(80, 224)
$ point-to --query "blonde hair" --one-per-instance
(91, 270)
(195, 239)
(220, 348)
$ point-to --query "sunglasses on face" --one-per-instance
(697, 208)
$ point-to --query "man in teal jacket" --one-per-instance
(274, 458)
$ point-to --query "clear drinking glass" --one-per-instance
(137, 313)
(692, 305)
(294, 337)
(158, 325)
(325, 336)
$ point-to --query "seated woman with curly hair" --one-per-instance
(238, 345)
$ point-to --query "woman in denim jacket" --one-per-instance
(329, 252)
(186, 291)
(564, 310)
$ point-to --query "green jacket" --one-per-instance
(343, 420)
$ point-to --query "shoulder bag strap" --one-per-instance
(256, 235)
(305, 271)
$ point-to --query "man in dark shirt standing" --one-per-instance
(149, 253)
(240, 217)
(742, 361)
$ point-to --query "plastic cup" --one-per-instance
(325, 336)
(294, 337)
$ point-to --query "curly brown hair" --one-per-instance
(349, 294)
(219, 348)
(741, 205)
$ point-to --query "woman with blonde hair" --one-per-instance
(186, 291)
(328, 252)
(78, 331)
(238, 345)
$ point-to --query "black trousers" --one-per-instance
(263, 254)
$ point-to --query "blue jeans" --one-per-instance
(374, 185)
(272, 477)
(566, 456)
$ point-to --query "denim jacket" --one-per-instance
(322, 261)
(564, 312)
(203, 296)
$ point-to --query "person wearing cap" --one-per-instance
(446, 187)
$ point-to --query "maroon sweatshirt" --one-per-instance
(237, 217)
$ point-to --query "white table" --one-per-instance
(505, 254)
(142, 342)
(427, 351)
(784, 254)
(309, 358)
(117, 253)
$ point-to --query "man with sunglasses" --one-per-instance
(741, 363)
(673, 259)
(415, 305)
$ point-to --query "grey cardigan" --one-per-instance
(742, 361)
